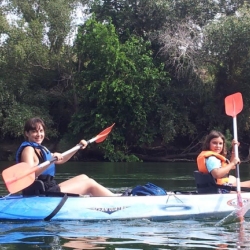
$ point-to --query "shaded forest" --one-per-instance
(160, 70)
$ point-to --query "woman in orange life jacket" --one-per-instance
(212, 160)
(32, 152)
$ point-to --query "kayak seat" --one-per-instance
(205, 183)
(36, 188)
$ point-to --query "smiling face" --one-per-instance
(36, 134)
(215, 141)
(216, 145)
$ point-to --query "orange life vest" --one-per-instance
(201, 162)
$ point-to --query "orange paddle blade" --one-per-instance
(233, 104)
(18, 176)
(103, 135)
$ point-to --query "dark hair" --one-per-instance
(32, 123)
(215, 134)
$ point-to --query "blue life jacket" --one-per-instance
(46, 154)
(148, 189)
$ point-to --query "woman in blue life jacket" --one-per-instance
(213, 160)
(32, 152)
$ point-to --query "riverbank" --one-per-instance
(8, 152)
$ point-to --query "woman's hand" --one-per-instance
(234, 142)
(83, 143)
(235, 161)
(59, 156)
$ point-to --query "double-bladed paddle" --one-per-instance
(21, 175)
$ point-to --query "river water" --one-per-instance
(130, 234)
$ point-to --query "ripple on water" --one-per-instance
(134, 234)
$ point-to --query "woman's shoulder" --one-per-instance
(28, 149)
(212, 158)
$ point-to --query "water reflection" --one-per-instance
(84, 243)
(136, 234)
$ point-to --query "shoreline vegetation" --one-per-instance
(156, 154)
(161, 78)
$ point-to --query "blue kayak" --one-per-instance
(171, 206)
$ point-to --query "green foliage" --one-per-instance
(229, 138)
(35, 67)
(123, 68)
(14, 115)
(132, 17)
(235, 44)
(118, 83)
(227, 46)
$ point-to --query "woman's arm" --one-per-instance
(64, 159)
(28, 155)
(222, 171)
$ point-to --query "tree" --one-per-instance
(118, 82)
(37, 64)
(227, 46)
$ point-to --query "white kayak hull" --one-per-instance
(168, 207)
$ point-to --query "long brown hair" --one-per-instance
(215, 134)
